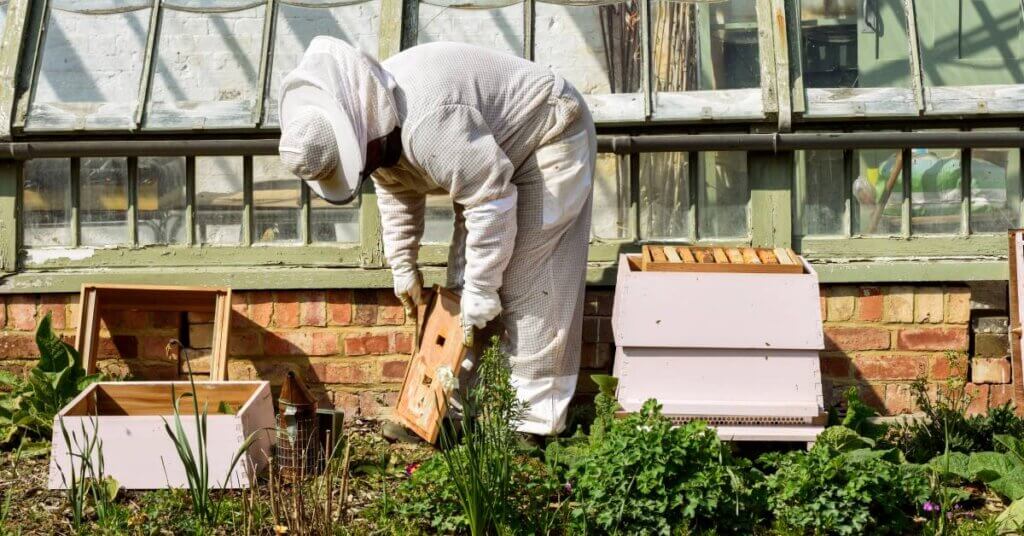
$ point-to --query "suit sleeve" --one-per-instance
(401, 221)
(457, 149)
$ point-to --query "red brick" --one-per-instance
(347, 403)
(71, 320)
(314, 343)
(286, 309)
(872, 395)
(899, 398)
(56, 305)
(21, 312)
(244, 343)
(365, 305)
(990, 370)
(595, 355)
(835, 366)
(889, 367)
(598, 303)
(1000, 395)
(339, 307)
(121, 320)
(823, 303)
(3, 312)
(153, 347)
(401, 343)
(390, 311)
(979, 399)
(261, 308)
(366, 343)
(17, 345)
(374, 405)
(591, 328)
(935, 339)
(200, 317)
(856, 338)
(163, 319)
(239, 309)
(944, 367)
(123, 346)
(393, 371)
(313, 312)
(869, 304)
(348, 373)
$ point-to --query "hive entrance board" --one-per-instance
(671, 258)
(422, 403)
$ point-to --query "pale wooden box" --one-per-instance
(138, 452)
(736, 350)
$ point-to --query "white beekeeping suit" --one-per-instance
(514, 146)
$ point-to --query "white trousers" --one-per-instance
(543, 286)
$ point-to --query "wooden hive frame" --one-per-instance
(422, 402)
(95, 299)
(674, 258)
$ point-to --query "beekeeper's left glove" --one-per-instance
(408, 286)
(478, 308)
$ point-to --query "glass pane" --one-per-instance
(205, 69)
(724, 191)
(3, 13)
(277, 202)
(971, 42)
(820, 193)
(161, 200)
(705, 46)
(935, 191)
(875, 168)
(499, 29)
(439, 221)
(664, 196)
(103, 199)
(611, 198)
(89, 79)
(357, 24)
(46, 202)
(596, 48)
(330, 223)
(219, 199)
(854, 44)
(995, 190)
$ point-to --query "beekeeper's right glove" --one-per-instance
(408, 286)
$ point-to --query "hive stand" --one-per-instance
(95, 299)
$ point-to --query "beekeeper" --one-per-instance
(511, 143)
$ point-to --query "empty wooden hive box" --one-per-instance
(128, 418)
(718, 336)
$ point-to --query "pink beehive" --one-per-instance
(736, 350)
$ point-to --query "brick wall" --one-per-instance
(351, 346)
(882, 338)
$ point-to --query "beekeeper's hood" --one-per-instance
(332, 104)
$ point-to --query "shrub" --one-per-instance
(841, 487)
(28, 406)
(644, 476)
(945, 423)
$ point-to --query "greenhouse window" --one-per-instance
(911, 193)
(854, 58)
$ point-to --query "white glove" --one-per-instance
(478, 308)
(408, 286)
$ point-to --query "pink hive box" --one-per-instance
(736, 350)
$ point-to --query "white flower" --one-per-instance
(643, 428)
(448, 380)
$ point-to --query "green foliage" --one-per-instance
(645, 476)
(840, 487)
(945, 424)
(858, 415)
(28, 406)
(482, 484)
(89, 483)
(196, 462)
